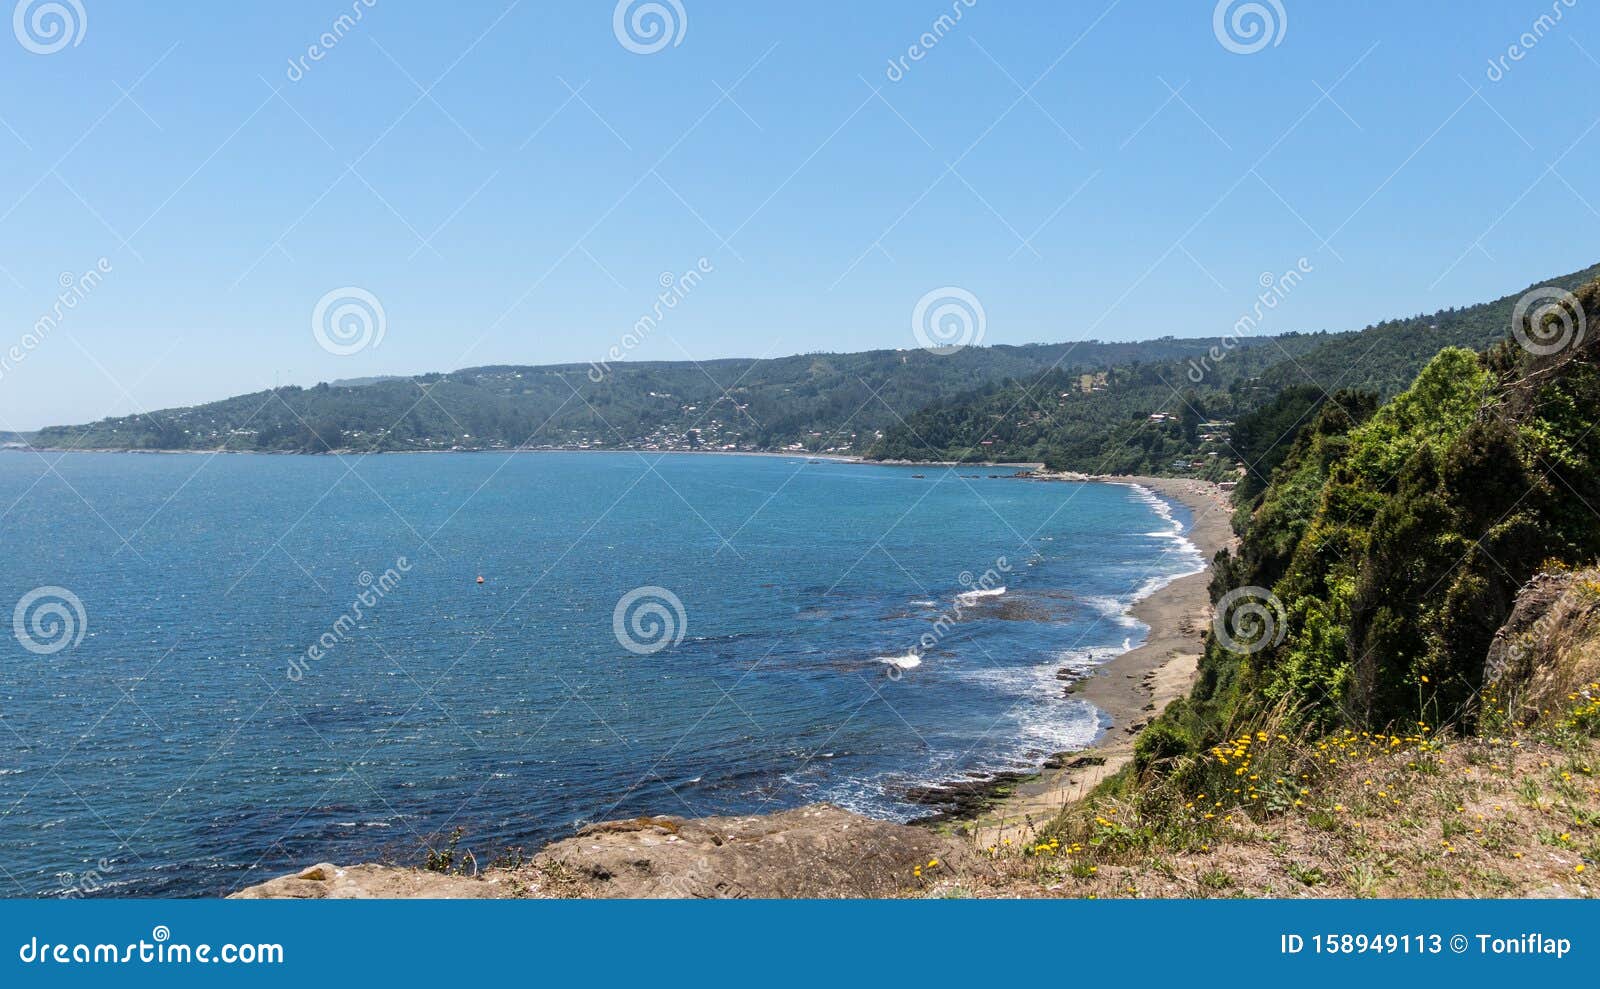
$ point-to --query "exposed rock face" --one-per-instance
(1550, 646)
(362, 882)
(814, 851)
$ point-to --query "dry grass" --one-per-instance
(1515, 814)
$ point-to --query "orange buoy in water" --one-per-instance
(480, 580)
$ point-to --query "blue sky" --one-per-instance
(510, 181)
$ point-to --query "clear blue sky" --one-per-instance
(501, 219)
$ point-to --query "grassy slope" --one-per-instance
(1352, 815)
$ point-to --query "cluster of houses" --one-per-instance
(1213, 437)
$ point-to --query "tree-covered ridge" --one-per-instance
(1146, 417)
(1385, 357)
(1394, 541)
(1193, 406)
(812, 402)
(1153, 423)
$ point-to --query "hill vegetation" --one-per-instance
(811, 402)
(1398, 697)
(1151, 417)
(1174, 406)
(1144, 417)
(1377, 566)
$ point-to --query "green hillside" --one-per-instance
(1145, 417)
(1386, 356)
(813, 402)
(1196, 406)
(1152, 417)
(1391, 543)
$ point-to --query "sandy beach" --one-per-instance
(1136, 686)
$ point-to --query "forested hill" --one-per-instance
(814, 402)
(1179, 416)
(1377, 567)
(1198, 405)
(1385, 357)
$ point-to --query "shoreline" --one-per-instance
(843, 458)
(1126, 692)
(1131, 689)
(777, 853)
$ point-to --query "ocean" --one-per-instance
(222, 668)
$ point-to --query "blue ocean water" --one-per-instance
(243, 664)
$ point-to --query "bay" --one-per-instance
(290, 659)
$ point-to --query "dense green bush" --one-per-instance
(1396, 541)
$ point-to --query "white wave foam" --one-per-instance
(1184, 548)
(1040, 684)
(909, 661)
(970, 597)
(1154, 584)
(1163, 509)
(1114, 608)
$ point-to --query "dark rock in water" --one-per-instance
(1067, 760)
(1012, 609)
(964, 799)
